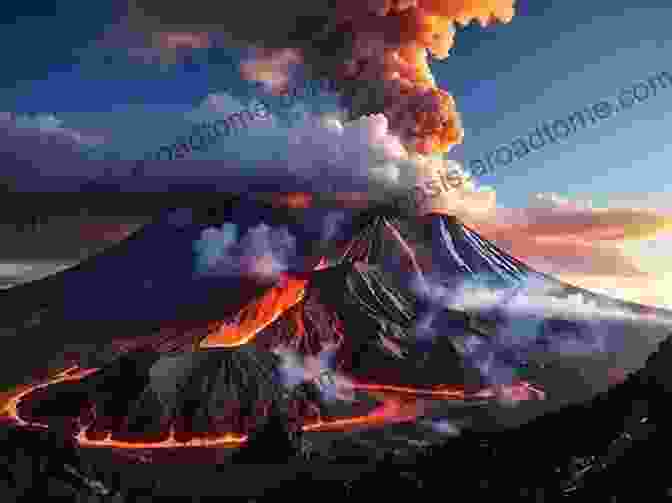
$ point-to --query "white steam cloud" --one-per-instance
(296, 369)
(263, 252)
(327, 146)
(444, 427)
(332, 224)
(526, 320)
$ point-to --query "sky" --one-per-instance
(96, 92)
(504, 85)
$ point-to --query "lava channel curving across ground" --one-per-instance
(399, 404)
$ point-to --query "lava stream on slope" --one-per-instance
(400, 404)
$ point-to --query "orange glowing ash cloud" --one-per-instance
(374, 51)
(387, 63)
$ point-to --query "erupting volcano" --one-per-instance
(213, 382)
(389, 297)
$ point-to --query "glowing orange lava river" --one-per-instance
(399, 405)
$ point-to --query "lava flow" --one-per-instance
(260, 313)
(394, 409)
(517, 391)
(257, 315)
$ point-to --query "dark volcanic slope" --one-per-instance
(149, 278)
(445, 249)
(371, 317)
(447, 252)
(146, 276)
(364, 297)
(134, 288)
(609, 445)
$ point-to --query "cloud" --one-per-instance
(528, 320)
(263, 252)
(37, 151)
(44, 126)
(378, 51)
(273, 68)
(361, 148)
(445, 427)
(651, 290)
(436, 184)
(563, 236)
(214, 106)
(42, 153)
(533, 300)
(619, 250)
(49, 125)
(604, 224)
(319, 151)
(296, 369)
(552, 215)
(657, 202)
(551, 200)
(162, 49)
(322, 151)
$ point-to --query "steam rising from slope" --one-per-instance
(263, 252)
(529, 320)
(319, 370)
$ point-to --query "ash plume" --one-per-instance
(375, 52)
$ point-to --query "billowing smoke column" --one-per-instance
(375, 51)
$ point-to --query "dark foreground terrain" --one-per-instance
(611, 448)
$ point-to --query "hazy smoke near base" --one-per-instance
(442, 426)
(296, 369)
